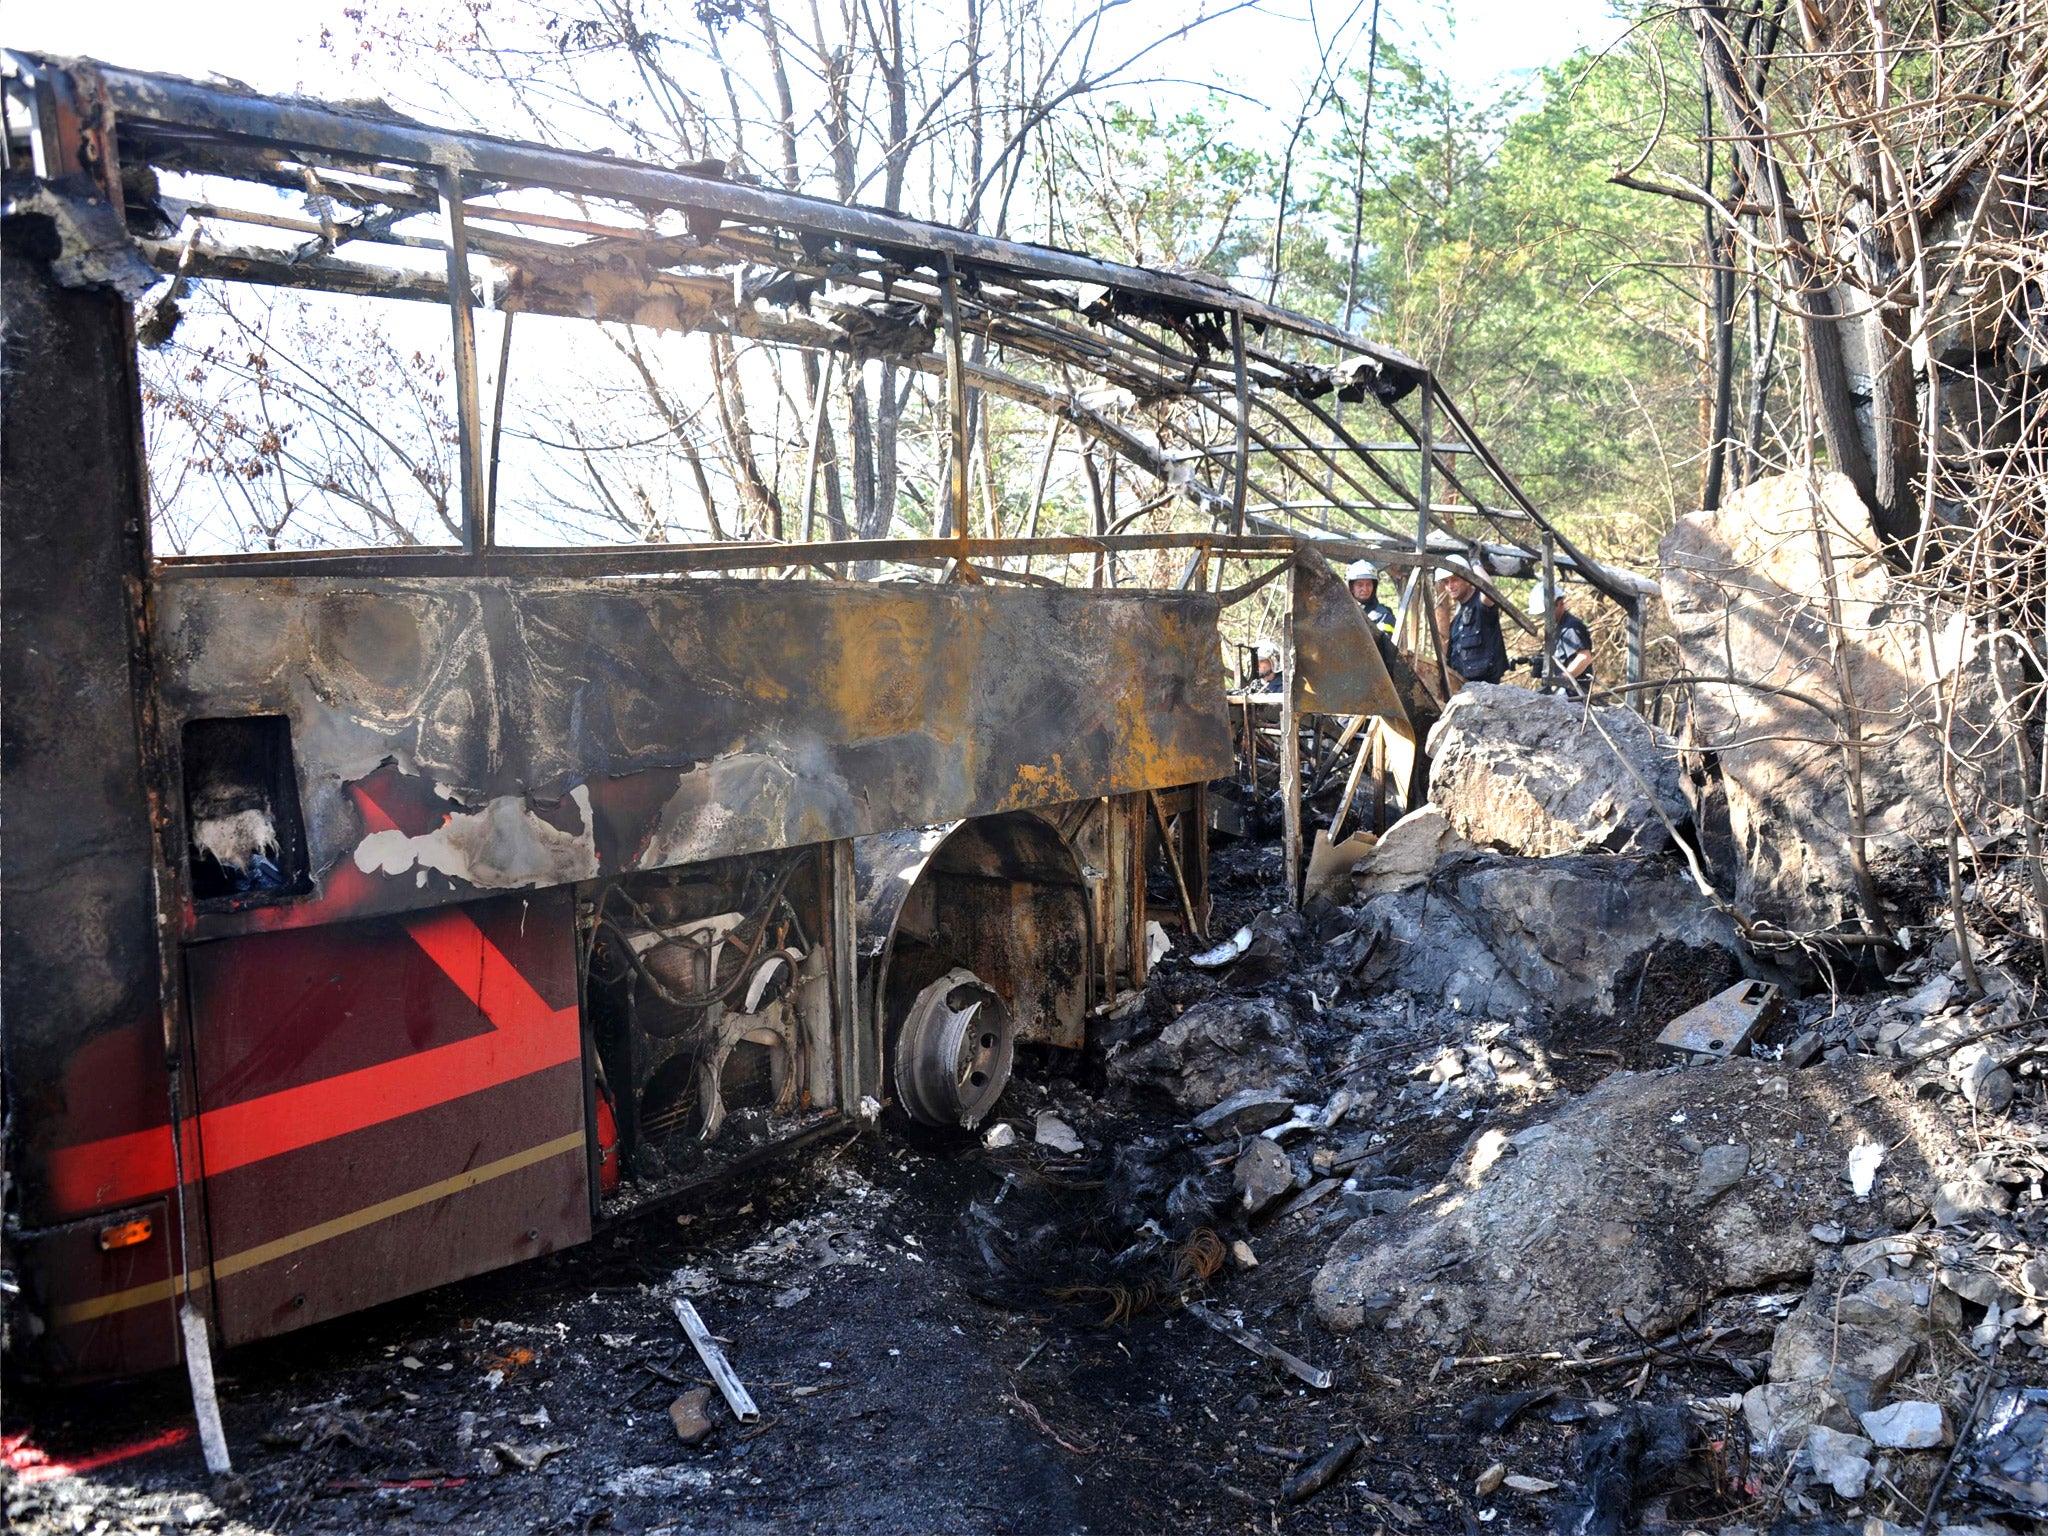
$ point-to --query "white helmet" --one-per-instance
(1457, 565)
(1361, 570)
(1536, 605)
(1267, 648)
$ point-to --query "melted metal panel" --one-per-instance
(524, 734)
(1337, 666)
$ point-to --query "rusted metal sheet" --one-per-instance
(1005, 897)
(1724, 1025)
(1337, 666)
(467, 735)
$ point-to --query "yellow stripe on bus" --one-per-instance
(340, 1226)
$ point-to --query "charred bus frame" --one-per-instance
(364, 909)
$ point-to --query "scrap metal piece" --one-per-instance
(736, 1396)
(94, 250)
(1294, 1365)
(1724, 1024)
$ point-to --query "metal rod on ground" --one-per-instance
(476, 526)
(817, 437)
(1180, 880)
(498, 419)
(1244, 1338)
(1244, 423)
(736, 1395)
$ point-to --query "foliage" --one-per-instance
(1562, 310)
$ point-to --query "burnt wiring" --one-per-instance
(761, 920)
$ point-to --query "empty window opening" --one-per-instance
(242, 806)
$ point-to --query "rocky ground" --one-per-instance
(1422, 1143)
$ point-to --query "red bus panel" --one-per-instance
(386, 1106)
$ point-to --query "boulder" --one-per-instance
(1217, 1048)
(1405, 854)
(1495, 936)
(1583, 1226)
(1529, 773)
(1836, 1357)
(1857, 1364)
(1747, 588)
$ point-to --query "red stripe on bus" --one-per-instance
(529, 1037)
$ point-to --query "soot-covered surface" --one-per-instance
(945, 1335)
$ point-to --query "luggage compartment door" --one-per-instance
(387, 1105)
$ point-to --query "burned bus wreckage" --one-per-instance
(377, 918)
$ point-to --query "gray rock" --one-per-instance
(1804, 1050)
(2034, 1277)
(1897, 1306)
(1743, 585)
(1841, 1461)
(1880, 1256)
(1494, 936)
(1930, 997)
(1969, 1198)
(1986, 1085)
(1973, 1285)
(1405, 854)
(1589, 1225)
(1934, 1036)
(1721, 1169)
(1215, 1049)
(1857, 1364)
(1829, 1232)
(1779, 1414)
(1245, 1114)
(1528, 773)
(1379, 1202)
(1262, 1175)
(1907, 1426)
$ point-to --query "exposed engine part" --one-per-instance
(711, 999)
(689, 967)
(953, 1052)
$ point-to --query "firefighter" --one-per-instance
(1571, 659)
(1468, 627)
(1364, 578)
(1268, 679)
